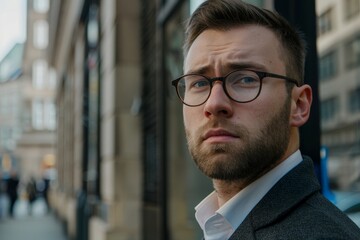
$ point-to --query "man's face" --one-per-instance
(238, 141)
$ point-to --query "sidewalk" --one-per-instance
(39, 226)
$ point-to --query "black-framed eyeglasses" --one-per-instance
(241, 86)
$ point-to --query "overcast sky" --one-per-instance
(12, 24)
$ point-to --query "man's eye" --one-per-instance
(200, 83)
(243, 81)
(247, 80)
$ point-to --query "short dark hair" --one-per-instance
(226, 14)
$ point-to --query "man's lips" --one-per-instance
(219, 135)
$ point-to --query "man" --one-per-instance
(12, 191)
(244, 100)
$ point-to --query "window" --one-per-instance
(328, 66)
(49, 115)
(43, 114)
(352, 53)
(325, 22)
(41, 34)
(39, 74)
(37, 114)
(41, 6)
(354, 101)
(352, 8)
(194, 4)
(329, 109)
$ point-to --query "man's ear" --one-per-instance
(300, 105)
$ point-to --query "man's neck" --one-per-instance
(225, 190)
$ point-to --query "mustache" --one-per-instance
(233, 128)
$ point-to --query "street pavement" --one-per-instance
(39, 225)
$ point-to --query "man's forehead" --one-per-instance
(246, 46)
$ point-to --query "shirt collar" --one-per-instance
(238, 207)
(206, 209)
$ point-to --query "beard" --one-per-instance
(248, 158)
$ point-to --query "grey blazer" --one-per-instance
(295, 209)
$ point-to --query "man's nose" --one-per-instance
(218, 103)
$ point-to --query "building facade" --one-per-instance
(11, 108)
(27, 106)
(36, 145)
(118, 175)
(339, 74)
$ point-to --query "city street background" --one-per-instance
(34, 224)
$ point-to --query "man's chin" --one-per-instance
(222, 174)
(217, 164)
(218, 148)
(214, 158)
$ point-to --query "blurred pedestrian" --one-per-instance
(12, 191)
(46, 182)
(31, 192)
(2, 196)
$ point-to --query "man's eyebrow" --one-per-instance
(201, 70)
(243, 65)
(227, 67)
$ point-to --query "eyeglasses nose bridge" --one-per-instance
(221, 80)
(216, 79)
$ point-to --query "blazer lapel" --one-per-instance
(244, 231)
(293, 188)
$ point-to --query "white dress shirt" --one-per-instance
(220, 223)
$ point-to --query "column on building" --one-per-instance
(66, 56)
(120, 167)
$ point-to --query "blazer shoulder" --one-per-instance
(314, 218)
(295, 209)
